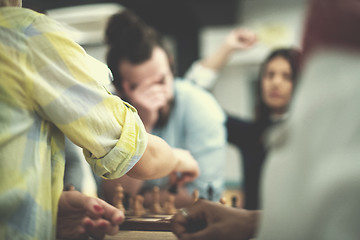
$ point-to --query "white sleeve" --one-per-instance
(201, 76)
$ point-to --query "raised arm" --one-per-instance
(204, 71)
(237, 39)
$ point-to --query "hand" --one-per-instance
(80, 216)
(188, 166)
(148, 98)
(210, 220)
(240, 39)
(237, 39)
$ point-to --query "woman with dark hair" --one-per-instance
(315, 194)
(275, 86)
(276, 83)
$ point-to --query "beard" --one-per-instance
(164, 114)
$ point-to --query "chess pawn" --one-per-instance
(210, 192)
(119, 197)
(169, 205)
(235, 202)
(195, 195)
(138, 207)
(156, 208)
(131, 204)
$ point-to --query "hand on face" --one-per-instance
(80, 216)
(148, 98)
(210, 220)
(240, 39)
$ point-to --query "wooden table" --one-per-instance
(142, 235)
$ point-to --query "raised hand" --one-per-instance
(237, 39)
(240, 39)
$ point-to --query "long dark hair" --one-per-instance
(292, 55)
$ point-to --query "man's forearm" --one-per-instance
(157, 161)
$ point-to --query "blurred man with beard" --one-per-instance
(184, 115)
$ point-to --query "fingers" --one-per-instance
(186, 177)
(145, 87)
(247, 37)
(149, 98)
(199, 222)
(71, 199)
(95, 228)
(178, 224)
(188, 165)
(111, 218)
(102, 218)
(114, 215)
(74, 201)
(98, 228)
(192, 223)
(86, 216)
(242, 38)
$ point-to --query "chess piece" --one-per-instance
(222, 200)
(195, 195)
(169, 205)
(235, 202)
(138, 207)
(210, 192)
(131, 204)
(119, 197)
(173, 189)
(156, 208)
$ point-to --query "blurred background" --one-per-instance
(194, 29)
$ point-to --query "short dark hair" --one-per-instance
(129, 38)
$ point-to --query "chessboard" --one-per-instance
(156, 218)
(147, 222)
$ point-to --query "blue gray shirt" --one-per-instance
(197, 124)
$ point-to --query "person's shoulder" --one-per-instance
(190, 90)
(181, 84)
(199, 100)
(18, 16)
(39, 22)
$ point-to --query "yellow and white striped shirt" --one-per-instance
(50, 87)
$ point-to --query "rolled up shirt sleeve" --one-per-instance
(67, 87)
(129, 149)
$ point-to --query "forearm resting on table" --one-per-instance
(157, 161)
